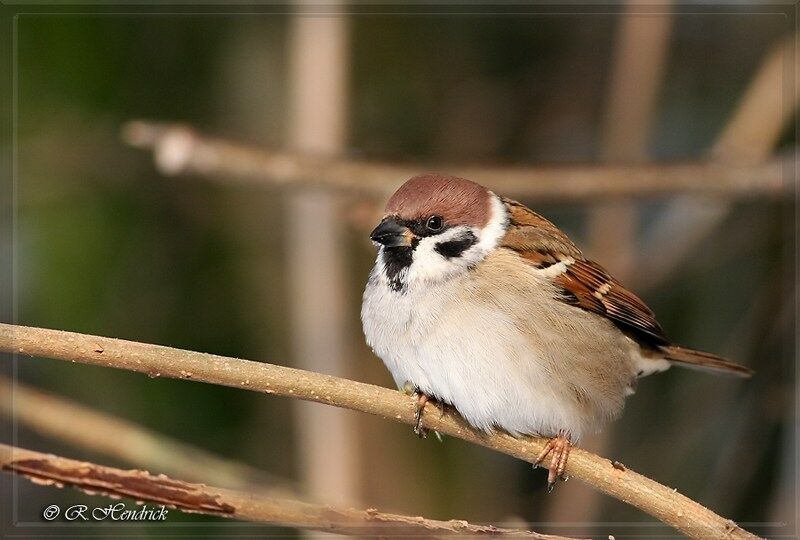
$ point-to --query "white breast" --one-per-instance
(498, 347)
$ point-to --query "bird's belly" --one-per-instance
(480, 362)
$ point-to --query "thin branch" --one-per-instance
(86, 428)
(766, 106)
(749, 136)
(202, 499)
(659, 501)
(180, 149)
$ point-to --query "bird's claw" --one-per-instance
(560, 447)
(419, 409)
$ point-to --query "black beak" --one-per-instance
(390, 233)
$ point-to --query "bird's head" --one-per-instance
(436, 226)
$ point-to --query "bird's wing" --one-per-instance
(584, 283)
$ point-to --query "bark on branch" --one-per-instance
(180, 149)
(661, 502)
(202, 499)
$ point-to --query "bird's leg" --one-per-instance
(560, 447)
(419, 408)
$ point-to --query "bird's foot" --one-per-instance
(560, 447)
(419, 409)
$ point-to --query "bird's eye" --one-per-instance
(434, 223)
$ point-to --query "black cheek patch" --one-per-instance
(454, 248)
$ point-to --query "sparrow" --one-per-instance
(479, 303)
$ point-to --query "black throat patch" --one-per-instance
(397, 259)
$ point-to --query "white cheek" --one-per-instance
(429, 265)
(493, 232)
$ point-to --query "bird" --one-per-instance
(478, 303)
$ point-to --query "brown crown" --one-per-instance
(458, 201)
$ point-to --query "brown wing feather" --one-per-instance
(530, 232)
(585, 283)
(585, 278)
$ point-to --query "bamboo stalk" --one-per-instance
(318, 77)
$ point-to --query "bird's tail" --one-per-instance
(703, 361)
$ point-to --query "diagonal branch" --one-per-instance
(767, 105)
(202, 499)
(87, 428)
(659, 501)
(749, 136)
(180, 149)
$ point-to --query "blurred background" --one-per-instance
(110, 242)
